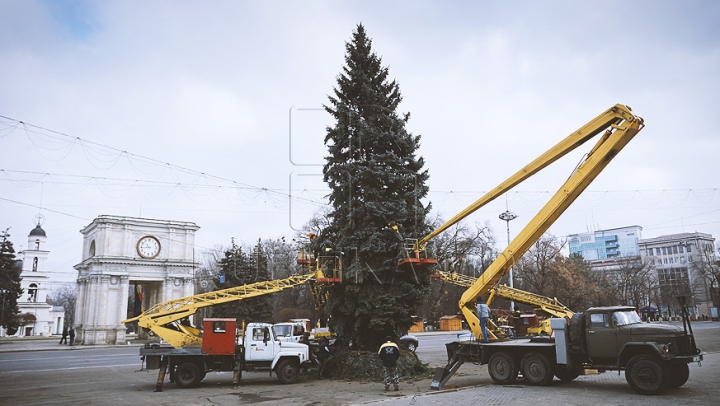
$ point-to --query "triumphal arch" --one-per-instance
(128, 265)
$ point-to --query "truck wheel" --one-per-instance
(187, 375)
(676, 375)
(503, 368)
(536, 369)
(576, 332)
(288, 371)
(566, 374)
(645, 375)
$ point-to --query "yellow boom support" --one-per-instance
(163, 318)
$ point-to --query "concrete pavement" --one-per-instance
(609, 388)
(21, 344)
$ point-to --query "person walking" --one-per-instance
(325, 353)
(389, 354)
(483, 312)
(72, 335)
(63, 339)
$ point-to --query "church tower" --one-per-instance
(40, 317)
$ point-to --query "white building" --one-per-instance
(680, 260)
(48, 319)
(124, 253)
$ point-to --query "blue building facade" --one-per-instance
(605, 244)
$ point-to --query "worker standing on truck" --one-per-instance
(389, 354)
(483, 312)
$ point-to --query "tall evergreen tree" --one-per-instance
(375, 178)
(10, 290)
(239, 268)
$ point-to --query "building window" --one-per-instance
(664, 251)
(675, 251)
(689, 248)
(682, 249)
(665, 261)
(32, 292)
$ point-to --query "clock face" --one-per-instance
(148, 247)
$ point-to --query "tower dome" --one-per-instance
(38, 231)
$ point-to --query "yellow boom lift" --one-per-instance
(616, 127)
(166, 319)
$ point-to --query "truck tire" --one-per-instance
(566, 374)
(576, 332)
(676, 375)
(288, 371)
(187, 375)
(503, 368)
(536, 369)
(645, 375)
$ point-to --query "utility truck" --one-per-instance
(190, 353)
(654, 357)
(257, 349)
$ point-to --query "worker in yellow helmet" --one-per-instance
(389, 354)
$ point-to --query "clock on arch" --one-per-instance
(148, 247)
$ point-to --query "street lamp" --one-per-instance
(508, 216)
(2, 317)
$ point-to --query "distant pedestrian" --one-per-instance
(63, 339)
(483, 312)
(325, 353)
(72, 335)
(389, 354)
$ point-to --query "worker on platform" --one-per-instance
(483, 313)
(389, 354)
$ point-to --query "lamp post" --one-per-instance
(3, 291)
(508, 216)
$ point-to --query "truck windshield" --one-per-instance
(282, 330)
(626, 317)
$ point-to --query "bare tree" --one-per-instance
(65, 296)
(464, 249)
(635, 282)
(535, 272)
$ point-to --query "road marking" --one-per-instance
(75, 357)
(70, 368)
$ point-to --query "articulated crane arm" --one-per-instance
(618, 126)
(549, 305)
(546, 304)
(164, 319)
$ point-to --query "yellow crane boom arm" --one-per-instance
(546, 304)
(612, 116)
(159, 317)
(618, 126)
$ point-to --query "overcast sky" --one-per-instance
(209, 111)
